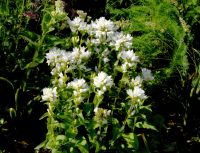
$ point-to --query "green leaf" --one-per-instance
(82, 146)
(45, 23)
(51, 40)
(145, 125)
(61, 137)
(44, 116)
(147, 108)
(41, 145)
(12, 112)
(6, 80)
(29, 36)
(31, 65)
(88, 108)
(16, 99)
(132, 140)
(116, 130)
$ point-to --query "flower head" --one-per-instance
(59, 9)
(147, 75)
(78, 85)
(49, 94)
(137, 92)
(102, 28)
(137, 81)
(102, 81)
(79, 54)
(101, 115)
(77, 24)
(121, 41)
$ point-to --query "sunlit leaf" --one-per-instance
(132, 140)
(145, 125)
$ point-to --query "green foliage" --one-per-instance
(19, 84)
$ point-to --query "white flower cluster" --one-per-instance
(101, 115)
(102, 40)
(102, 31)
(59, 8)
(129, 59)
(49, 94)
(62, 62)
(121, 41)
(136, 93)
(79, 54)
(137, 81)
(78, 24)
(105, 32)
(102, 28)
(102, 82)
(80, 87)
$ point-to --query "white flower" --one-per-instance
(59, 8)
(147, 75)
(129, 59)
(121, 41)
(102, 79)
(137, 81)
(62, 79)
(105, 54)
(102, 28)
(129, 56)
(78, 85)
(57, 56)
(136, 93)
(49, 94)
(77, 24)
(79, 54)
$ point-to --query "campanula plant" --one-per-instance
(96, 96)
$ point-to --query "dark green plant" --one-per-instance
(19, 84)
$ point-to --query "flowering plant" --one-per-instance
(96, 97)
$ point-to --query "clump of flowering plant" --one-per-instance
(96, 97)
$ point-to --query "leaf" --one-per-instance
(29, 36)
(44, 116)
(45, 23)
(147, 108)
(88, 108)
(61, 137)
(116, 130)
(82, 146)
(132, 140)
(41, 145)
(16, 99)
(6, 80)
(31, 65)
(12, 112)
(145, 125)
(53, 40)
